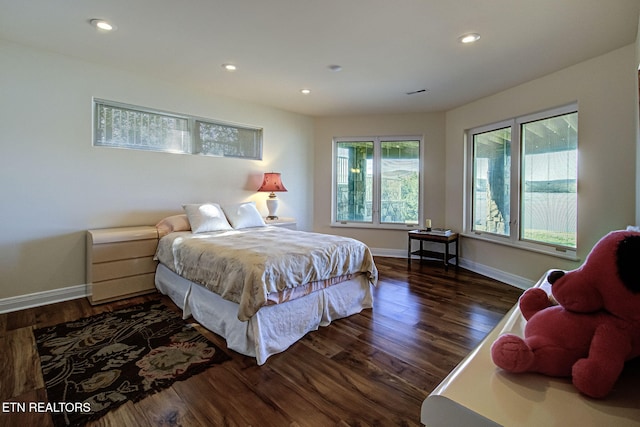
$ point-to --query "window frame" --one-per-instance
(375, 222)
(193, 143)
(514, 237)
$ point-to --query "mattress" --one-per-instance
(264, 265)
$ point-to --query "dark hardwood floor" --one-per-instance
(373, 368)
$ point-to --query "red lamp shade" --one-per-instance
(272, 182)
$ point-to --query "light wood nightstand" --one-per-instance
(282, 222)
(120, 262)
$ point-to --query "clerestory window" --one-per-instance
(128, 126)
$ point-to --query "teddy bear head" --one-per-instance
(608, 280)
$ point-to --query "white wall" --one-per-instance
(431, 126)
(54, 184)
(607, 95)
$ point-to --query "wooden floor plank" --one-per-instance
(20, 364)
(351, 398)
(208, 408)
(372, 368)
(21, 319)
(3, 324)
(271, 386)
(128, 414)
(239, 401)
(167, 409)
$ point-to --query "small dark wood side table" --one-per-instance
(425, 236)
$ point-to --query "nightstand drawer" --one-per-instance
(122, 268)
(115, 289)
(123, 250)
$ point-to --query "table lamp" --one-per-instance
(272, 183)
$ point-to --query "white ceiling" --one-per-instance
(386, 47)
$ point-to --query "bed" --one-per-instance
(477, 393)
(260, 287)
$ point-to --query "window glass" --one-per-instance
(549, 175)
(492, 181)
(227, 141)
(400, 165)
(128, 128)
(354, 181)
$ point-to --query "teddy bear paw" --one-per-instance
(532, 301)
(592, 378)
(512, 354)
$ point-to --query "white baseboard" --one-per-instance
(494, 273)
(389, 253)
(42, 298)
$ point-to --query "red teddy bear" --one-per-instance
(595, 328)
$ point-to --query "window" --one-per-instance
(523, 180)
(215, 139)
(377, 181)
(127, 126)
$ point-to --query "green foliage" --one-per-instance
(400, 196)
(555, 238)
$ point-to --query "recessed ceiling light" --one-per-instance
(305, 91)
(101, 24)
(469, 38)
(229, 67)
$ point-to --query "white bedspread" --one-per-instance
(244, 266)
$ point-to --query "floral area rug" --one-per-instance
(93, 365)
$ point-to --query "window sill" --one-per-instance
(398, 227)
(567, 254)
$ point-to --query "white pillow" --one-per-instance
(243, 215)
(206, 217)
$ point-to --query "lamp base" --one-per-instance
(272, 206)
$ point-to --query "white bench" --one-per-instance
(477, 393)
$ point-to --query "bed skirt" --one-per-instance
(273, 328)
